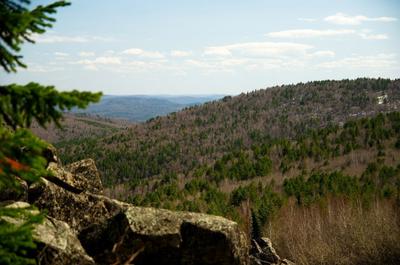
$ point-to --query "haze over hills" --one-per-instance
(139, 108)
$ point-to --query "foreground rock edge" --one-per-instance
(114, 232)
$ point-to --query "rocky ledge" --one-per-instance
(84, 227)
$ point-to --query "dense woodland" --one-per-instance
(199, 136)
(308, 153)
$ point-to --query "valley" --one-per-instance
(253, 157)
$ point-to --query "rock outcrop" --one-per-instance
(77, 177)
(56, 241)
(156, 236)
(86, 176)
(84, 227)
(58, 244)
(78, 209)
(111, 232)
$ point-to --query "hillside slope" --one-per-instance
(79, 126)
(194, 137)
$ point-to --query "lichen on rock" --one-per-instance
(157, 236)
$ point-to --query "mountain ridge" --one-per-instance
(198, 135)
(139, 108)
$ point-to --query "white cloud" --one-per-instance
(367, 36)
(343, 19)
(105, 60)
(59, 39)
(101, 39)
(143, 53)
(143, 66)
(366, 61)
(258, 49)
(258, 56)
(38, 68)
(199, 63)
(61, 54)
(91, 67)
(133, 51)
(320, 54)
(178, 53)
(309, 33)
(54, 38)
(270, 48)
(120, 64)
(224, 65)
(217, 51)
(86, 54)
(216, 64)
(307, 19)
(233, 62)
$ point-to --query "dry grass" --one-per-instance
(338, 232)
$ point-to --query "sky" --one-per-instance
(211, 47)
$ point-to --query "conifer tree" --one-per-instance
(22, 153)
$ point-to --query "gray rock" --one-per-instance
(114, 232)
(87, 177)
(155, 236)
(78, 210)
(56, 243)
(77, 177)
(269, 252)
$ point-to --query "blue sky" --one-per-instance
(212, 47)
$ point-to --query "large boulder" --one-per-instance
(113, 232)
(78, 210)
(154, 236)
(56, 243)
(77, 177)
(87, 176)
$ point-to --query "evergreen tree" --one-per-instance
(18, 24)
(256, 228)
(21, 152)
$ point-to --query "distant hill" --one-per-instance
(198, 136)
(79, 126)
(141, 108)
